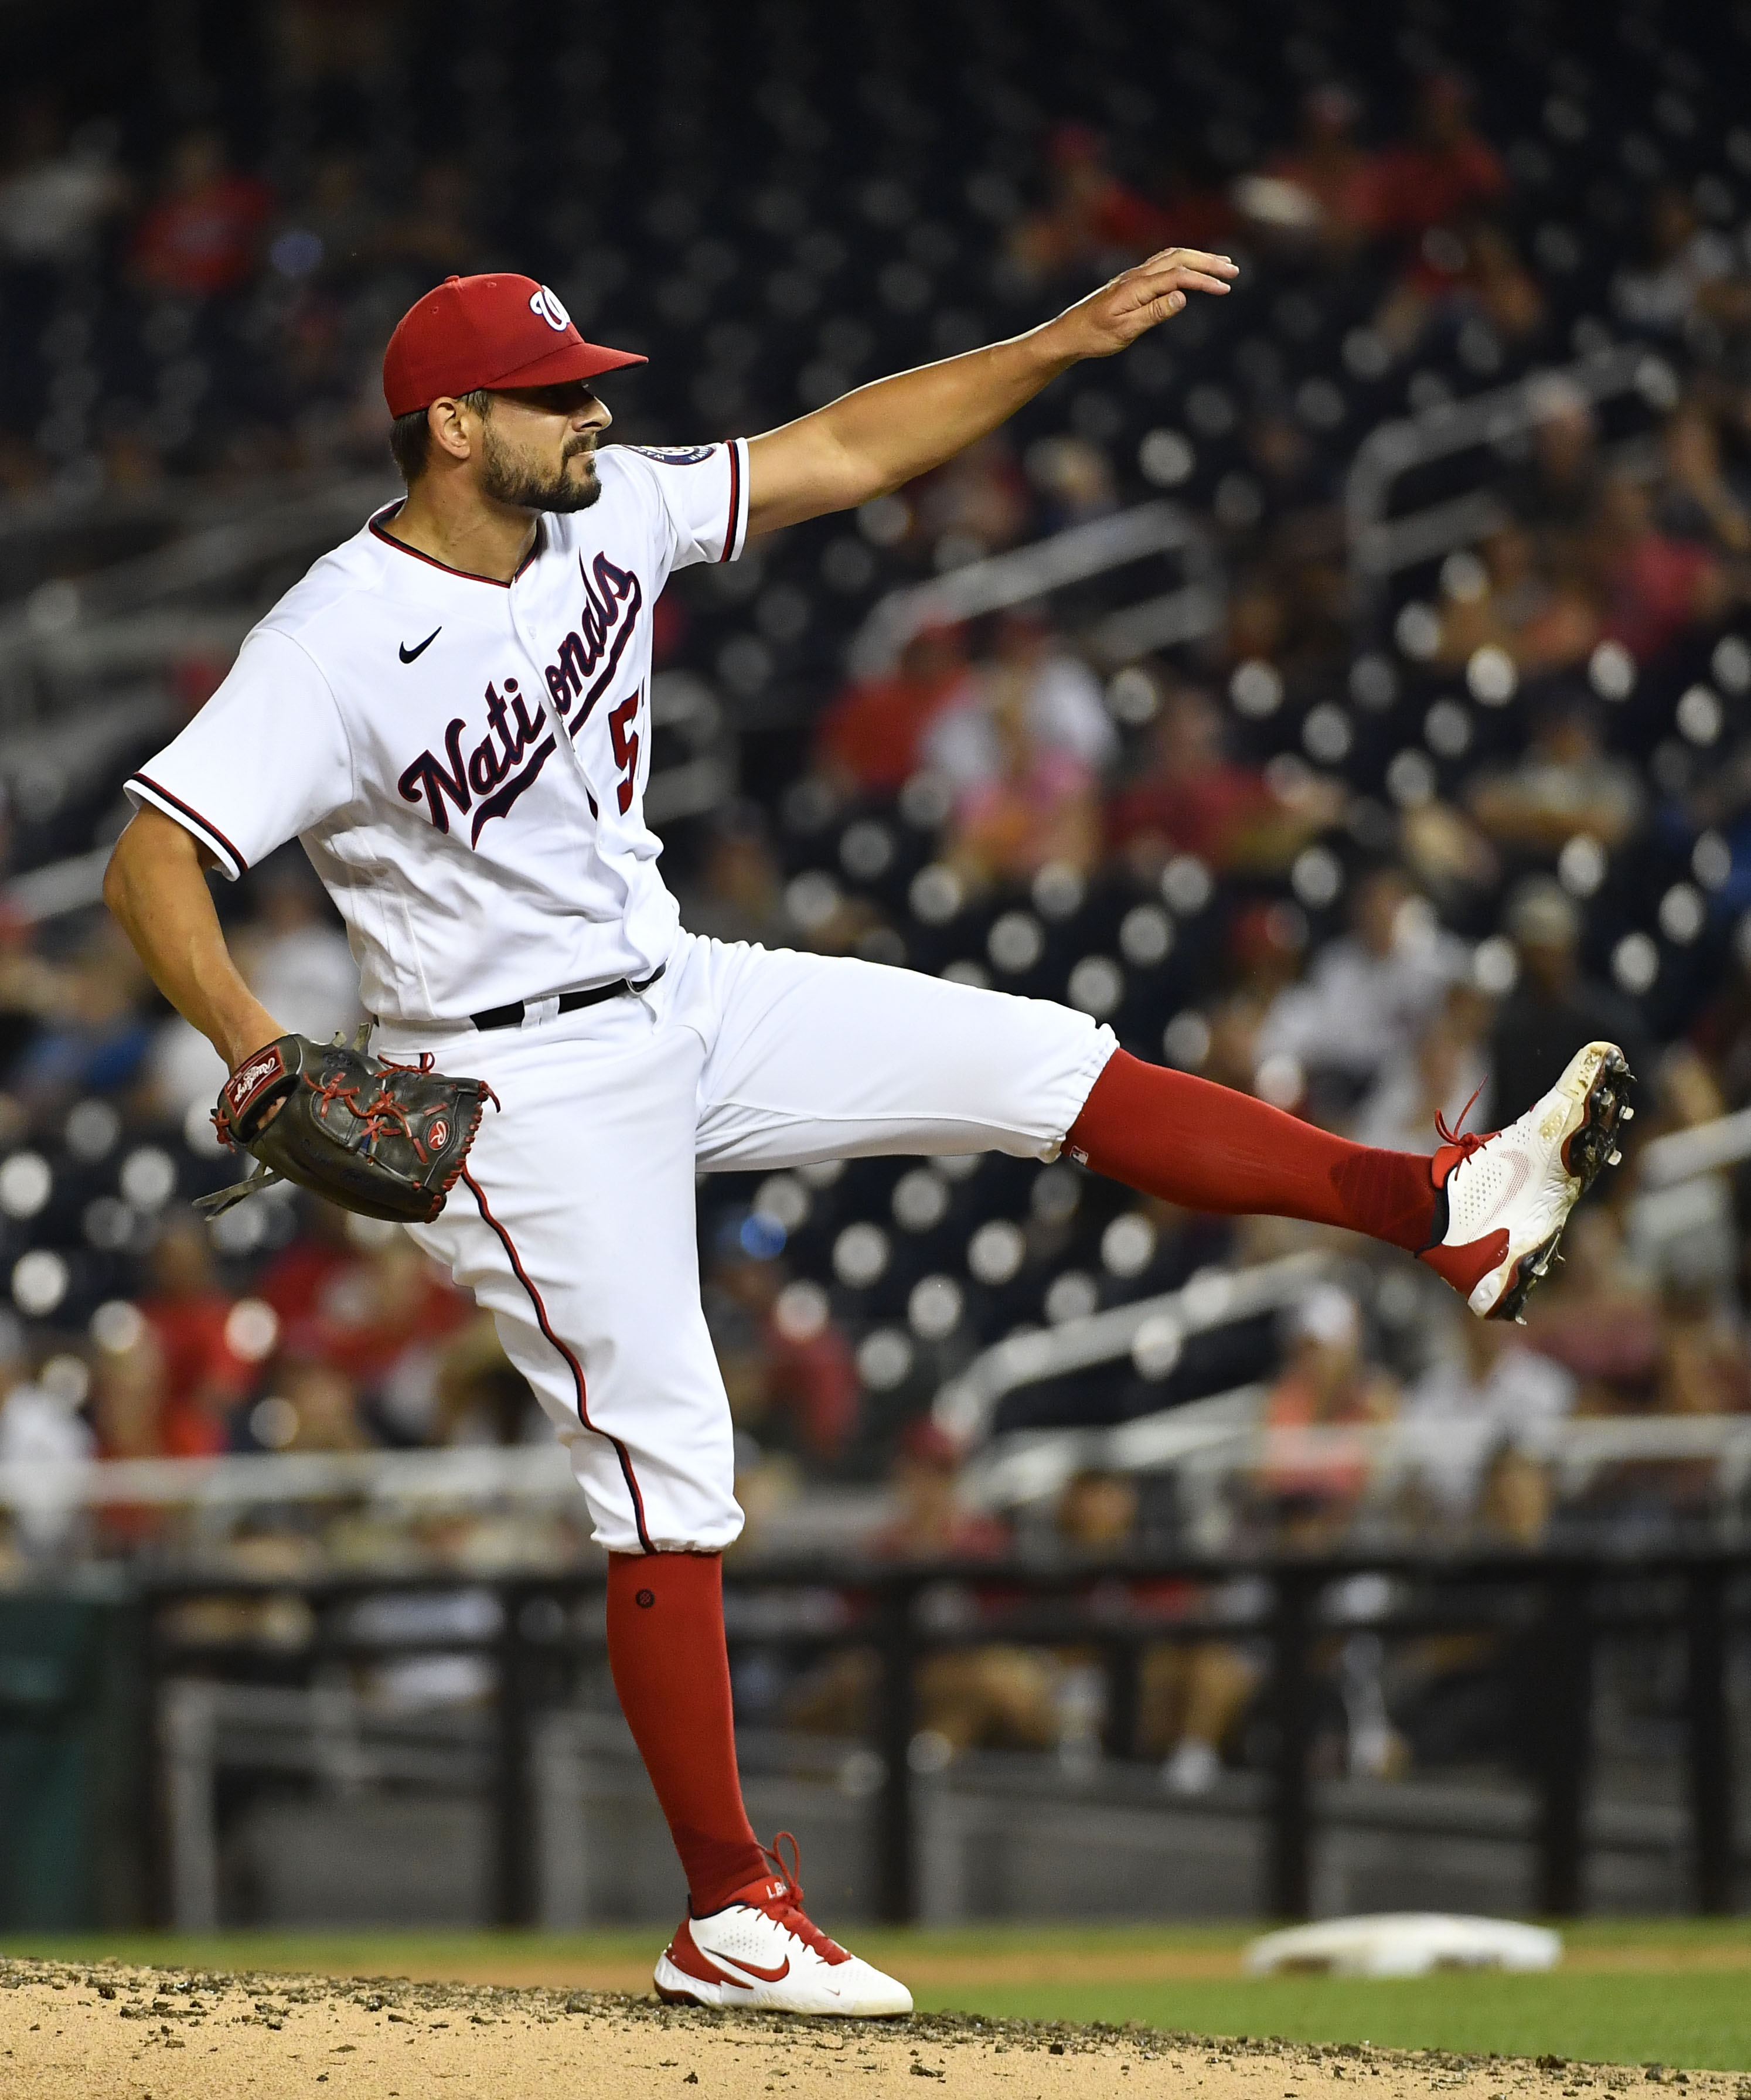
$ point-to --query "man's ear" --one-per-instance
(449, 433)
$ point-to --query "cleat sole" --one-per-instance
(1592, 1145)
(1588, 1150)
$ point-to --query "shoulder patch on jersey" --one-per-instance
(675, 454)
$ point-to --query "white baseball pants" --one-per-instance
(575, 1225)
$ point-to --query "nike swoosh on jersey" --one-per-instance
(765, 1975)
(420, 648)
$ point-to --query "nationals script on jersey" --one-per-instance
(464, 761)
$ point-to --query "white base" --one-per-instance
(1403, 1943)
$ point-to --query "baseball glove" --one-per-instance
(382, 1139)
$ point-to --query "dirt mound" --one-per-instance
(162, 2034)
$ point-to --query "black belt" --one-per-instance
(512, 1016)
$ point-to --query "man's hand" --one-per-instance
(1111, 319)
(881, 435)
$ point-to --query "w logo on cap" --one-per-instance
(481, 332)
(543, 303)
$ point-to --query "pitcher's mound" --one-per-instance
(68, 2032)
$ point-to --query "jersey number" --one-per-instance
(625, 746)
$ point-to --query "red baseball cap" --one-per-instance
(501, 330)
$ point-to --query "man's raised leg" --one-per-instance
(1485, 1213)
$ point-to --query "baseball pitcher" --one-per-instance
(451, 712)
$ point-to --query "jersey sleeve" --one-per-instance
(701, 492)
(267, 758)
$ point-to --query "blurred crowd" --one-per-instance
(1381, 845)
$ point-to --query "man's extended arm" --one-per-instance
(872, 440)
(157, 886)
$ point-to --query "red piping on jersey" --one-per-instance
(572, 1364)
(195, 817)
(401, 546)
(736, 498)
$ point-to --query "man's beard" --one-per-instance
(524, 487)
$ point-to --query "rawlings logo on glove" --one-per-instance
(387, 1141)
(248, 1079)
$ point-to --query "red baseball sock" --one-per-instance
(666, 1650)
(1210, 1149)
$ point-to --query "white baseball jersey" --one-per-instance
(465, 760)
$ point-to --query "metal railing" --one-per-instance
(1072, 556)
(460, 1474)
(1380, 545)
(1227, 1436)
(1557, 1607)
(1151, 1329)
(1681, 1155)
(173, 506)
(1224, 1435)
(140, 613)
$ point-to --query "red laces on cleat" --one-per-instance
(1471, 1140)
(781, 1898)
(1456, 1143)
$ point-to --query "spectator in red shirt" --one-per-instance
(202, 236)
(294, 1281)
(1446, 170)
(1655, 587)
(390, 1299)
(1337, 202)
(869, 741)
(380, 1314)
(1192, 798)
(189, 1314)
(1094, 218)
(1092, 213)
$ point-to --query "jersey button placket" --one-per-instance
(538, 676)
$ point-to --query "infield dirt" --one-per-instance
(162, 2034)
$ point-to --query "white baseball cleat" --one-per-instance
(761, 1952)
(1509, 1194)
